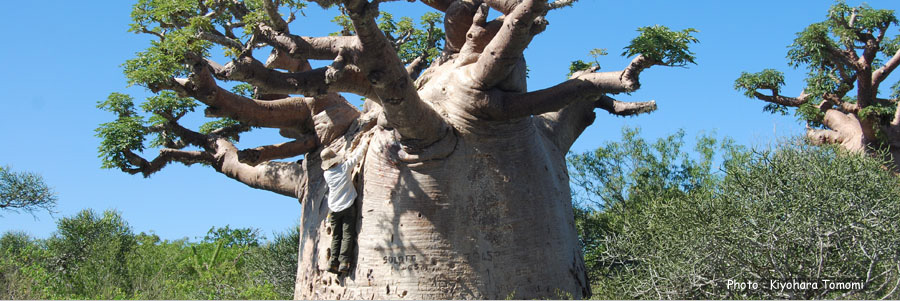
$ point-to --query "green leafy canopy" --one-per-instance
(663, 46)
(128, 132)
(580, 65)
(767, 79)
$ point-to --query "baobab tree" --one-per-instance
(847, 57)
(464, 191)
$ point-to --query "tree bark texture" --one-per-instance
(490, 220)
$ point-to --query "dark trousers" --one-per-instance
(343, 230)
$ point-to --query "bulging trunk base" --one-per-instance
(491, 221)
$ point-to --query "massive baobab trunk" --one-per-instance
(463, 190)
(491, 219)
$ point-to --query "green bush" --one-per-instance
(94, 256)
(795, 212)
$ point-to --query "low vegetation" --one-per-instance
(98, 256)
(657, 222)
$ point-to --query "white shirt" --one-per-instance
(341, 192)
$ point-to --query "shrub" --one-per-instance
(795, 212)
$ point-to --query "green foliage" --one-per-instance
(412, 41)
(580, 65)
(94, 256)
(409, 40)
(811, 47)
(276, 262)
(895, 90)
(124, 134)
(769, 79)
(90, 255)
(208, 127)
(868, 20)
(794, 212)
(636, 169)
(168, 103)
(890, 46)
(25, 191)
(810, 113)
(576, 66)
(663, 46)
(164, 107)
(147, 13)
(816, 46)
(165, 59)
(244, 89)
(346, 25)
(242, 237)
(130, 129)
(879, 112)
(23, 267)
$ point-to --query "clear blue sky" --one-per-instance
(61, 57)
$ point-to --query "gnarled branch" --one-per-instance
(587, 86)
(416, 122)
(622, 108)
(311, 48)
(879, 75)
(308, 83)
(287, 112)
(272, 11)
(457, 20)
(166, 156)
(782, 100)
(280, 177)
(504, 51)
(255, 156)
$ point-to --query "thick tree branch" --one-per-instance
(327, 115)
(220, 39)
(255, 156)
(166, 156)
(278, 23)
(280, 177)
(849, 127)
(586, 86)
(309, 83)
(504, 51)
(622, 108)
(824, 136)
(457, 20)
(503, 6)
(879, 75)
(560, 4)
(782, 100)
(289, 112)
(280, 60)
(416, 122)
(440, 5)
(564, 126)
(479, 34)
(312, 48)
(415, 67)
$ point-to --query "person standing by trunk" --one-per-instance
(342, 202)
